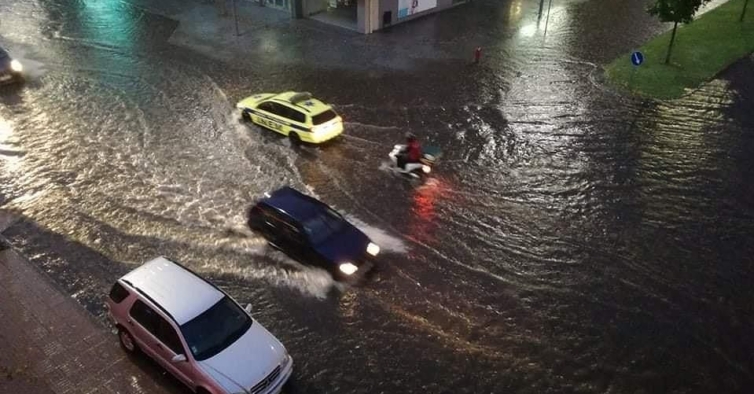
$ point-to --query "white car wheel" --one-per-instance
(127, 341)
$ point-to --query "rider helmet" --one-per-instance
(410, 137)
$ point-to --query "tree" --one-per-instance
(222, 8)
(743, 12)
(676, 11)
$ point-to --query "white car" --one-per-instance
(196, 331)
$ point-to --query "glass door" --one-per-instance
(280, 4)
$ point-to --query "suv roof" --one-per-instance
(295, 204)
(180, 292)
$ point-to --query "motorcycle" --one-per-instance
(430, 156)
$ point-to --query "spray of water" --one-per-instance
(387, 242)
(284, 272)
(33, 69)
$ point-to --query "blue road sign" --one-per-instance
(637, 58)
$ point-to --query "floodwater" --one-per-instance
(571, 240)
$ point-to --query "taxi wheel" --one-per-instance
(245, 116)
(295, 139)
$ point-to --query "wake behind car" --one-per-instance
(296, 115)
(196, 331)
(310, 231)
(11, 70)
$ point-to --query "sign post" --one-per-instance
(541, 8)
(547, 21)
(235, 16)
(637, 58)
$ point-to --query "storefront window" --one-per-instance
(282, 4)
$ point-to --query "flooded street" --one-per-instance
(571, 239)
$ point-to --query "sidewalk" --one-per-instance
(265, 35)
(270, 37)
(50, 345)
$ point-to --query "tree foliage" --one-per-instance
(678, 11)
(743, 11)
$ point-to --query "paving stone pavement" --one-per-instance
(49, 344)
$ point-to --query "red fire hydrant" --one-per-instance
(477, 54)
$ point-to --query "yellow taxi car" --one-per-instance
(294, 114)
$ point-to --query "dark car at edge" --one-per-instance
(11, 70)
(311, 232)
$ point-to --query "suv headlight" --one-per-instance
(16, 66)
(348, 268)
(373, 249)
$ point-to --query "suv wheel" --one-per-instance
(127, 341)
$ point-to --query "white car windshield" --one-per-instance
(215, 329)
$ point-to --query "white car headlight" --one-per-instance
(348, 268)
(16, 66)
(373, 249)
(426, 169)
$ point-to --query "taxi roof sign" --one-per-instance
(299, 97)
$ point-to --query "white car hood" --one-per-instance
(247, 361)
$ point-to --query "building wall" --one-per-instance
(393, 5)
(370, 13)
(368, 16)
(311, 7)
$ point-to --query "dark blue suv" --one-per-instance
(310, 231)
(11, 69)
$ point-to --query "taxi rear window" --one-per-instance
(324, 117)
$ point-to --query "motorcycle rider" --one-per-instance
(412, 153)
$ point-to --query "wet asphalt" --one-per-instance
(571, 240)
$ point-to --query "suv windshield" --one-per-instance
(217, 328)
(324, 117)
(322, 226)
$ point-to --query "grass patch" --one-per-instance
(702, 49)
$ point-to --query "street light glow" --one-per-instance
(529, 30)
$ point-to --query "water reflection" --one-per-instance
(569, 232)
(550, 24)
(514, 12)
(10, 154)
(686, 141)
(423, 218)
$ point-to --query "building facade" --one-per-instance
(364, 16)
(391, 12)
